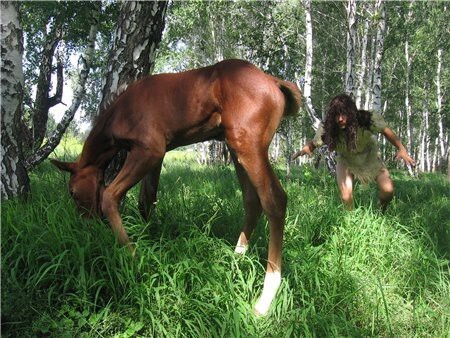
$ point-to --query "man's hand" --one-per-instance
(402, 154)
(306, 150)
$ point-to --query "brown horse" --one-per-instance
(232, 101)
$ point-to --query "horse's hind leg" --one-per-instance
(252, 206)
(149, 189)
(253, 157)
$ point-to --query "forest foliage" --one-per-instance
(271, 34)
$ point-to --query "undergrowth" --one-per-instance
(359, 273)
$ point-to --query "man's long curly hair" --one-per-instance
(344, 104)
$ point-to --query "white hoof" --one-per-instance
(271, 284)
(241, 249)
(261, 309)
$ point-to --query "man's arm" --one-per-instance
(402, 153)
(307, 149)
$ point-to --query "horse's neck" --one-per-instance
(98, 150)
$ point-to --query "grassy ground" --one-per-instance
(354, 274)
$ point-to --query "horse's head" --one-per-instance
(85, 187)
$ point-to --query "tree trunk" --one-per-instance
(218, 150)
(43, 101)
(308, 67)
(363, 62)
(427, 140)
(288, 147)
(351, 40)
(408, 108)
(422, 148)
(201, 149)
(138, 34)
(14, 178)
(369, 86)
(84, 62)
(435, 155)
(448, 164)
(315, 121)
(379, 47)
(442, 144)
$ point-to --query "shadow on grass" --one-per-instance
(342, 271)
(424, 202)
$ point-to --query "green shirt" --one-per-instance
(363, 161)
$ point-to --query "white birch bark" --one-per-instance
(14, 179)
(435, 154)
(442, 143)
(137, 37)
(308, 67)
(379, 45)
(427, 151)
(369, 85)
(276, 147)
(84, 64)
(288, 152)
(408, 109)
(424, 153)
(422, 148)
(448, 164)
(363, 63)
(351, 41)
(138, 34)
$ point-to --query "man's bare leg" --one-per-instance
(386, 188)
(345, 183)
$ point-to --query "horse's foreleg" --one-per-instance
(136, 165)
(252, 206)
(149, 189)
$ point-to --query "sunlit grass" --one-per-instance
(68, 149)
(358, 273)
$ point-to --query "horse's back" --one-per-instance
(198, 104)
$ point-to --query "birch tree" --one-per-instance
(307, 83)
(443, 144)
(379, 43)
(137, 36)
(363, 40)
(351, 40)
(14, 178)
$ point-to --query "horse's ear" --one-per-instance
(65, 166)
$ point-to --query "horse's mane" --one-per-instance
(105, 113)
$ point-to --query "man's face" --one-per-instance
(341, 120)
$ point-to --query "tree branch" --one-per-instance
(57, 98)
(85, 63)
(42, 102)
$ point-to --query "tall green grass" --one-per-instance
(358, 273)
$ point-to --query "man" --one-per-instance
(352, 134)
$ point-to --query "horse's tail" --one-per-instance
(292, 96)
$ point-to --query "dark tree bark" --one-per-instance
(43, 101)
(84, 62)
